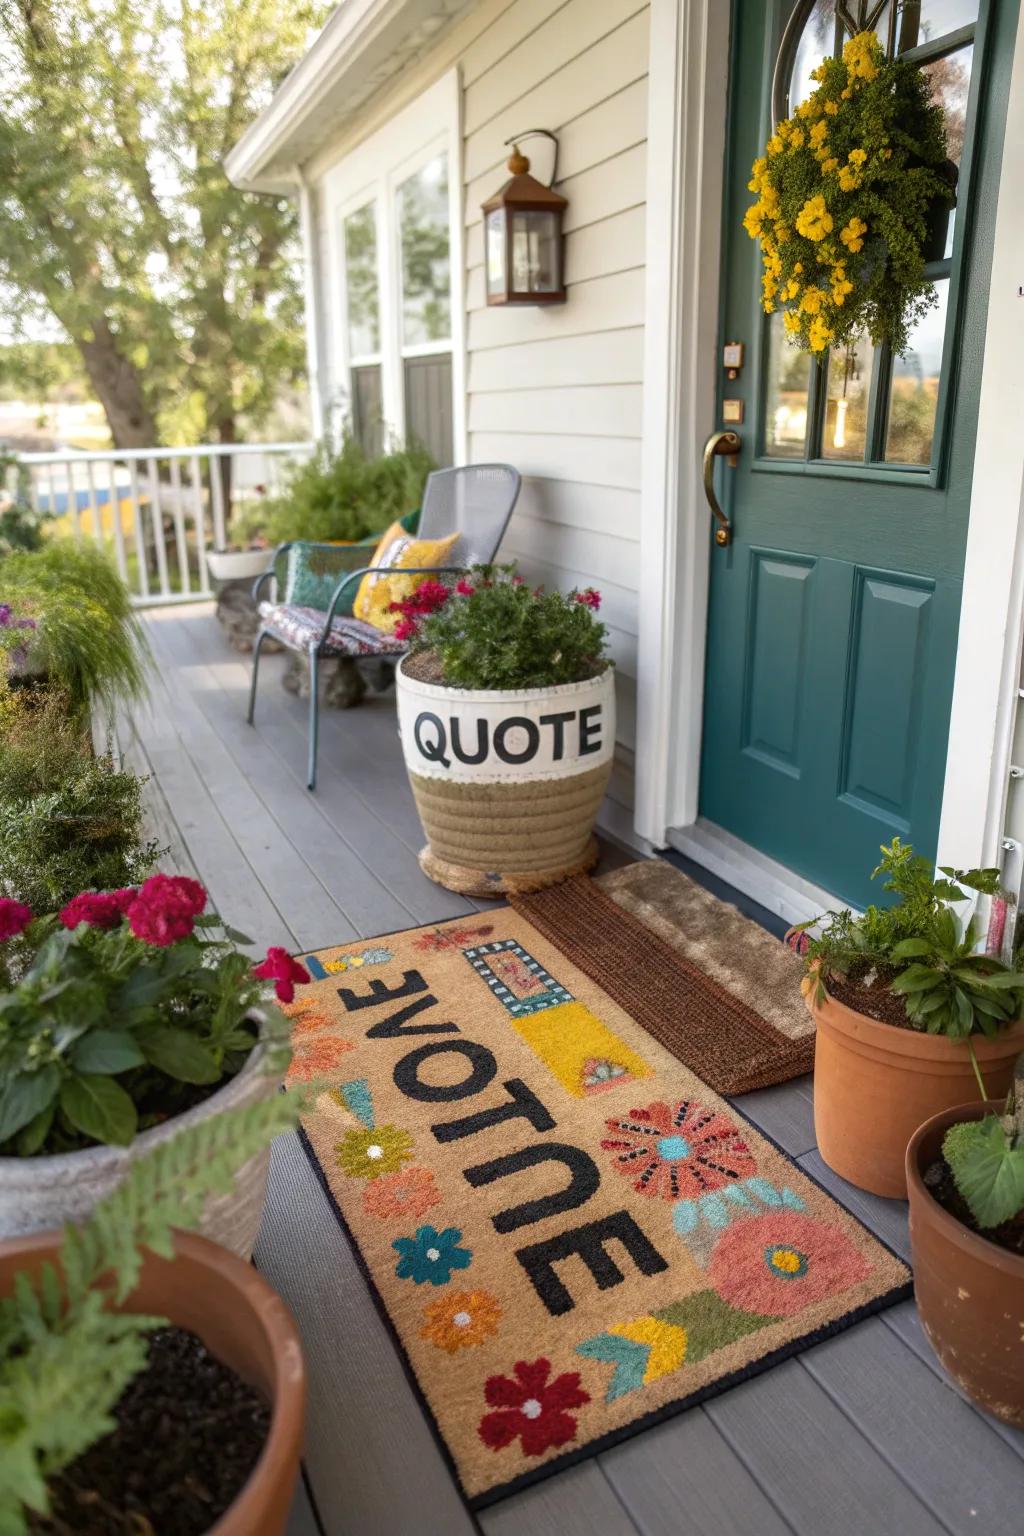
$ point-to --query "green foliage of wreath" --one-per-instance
(846, 190)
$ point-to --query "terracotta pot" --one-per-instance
(970, 1292)
(875, 1084)
(37, 1193)
(246, 1325)
(508, 782)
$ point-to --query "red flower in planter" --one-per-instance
(100, 909)
(405, 629)
(165, 908)
(590, 597)
(531, 1408)
(282, 970)
(464, 588)
(14, 917)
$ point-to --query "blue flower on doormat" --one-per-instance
(430, 1256)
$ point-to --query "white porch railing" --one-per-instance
(156, 510)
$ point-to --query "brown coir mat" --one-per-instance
(571, 1236)
(726, 1041)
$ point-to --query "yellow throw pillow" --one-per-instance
(383, 586)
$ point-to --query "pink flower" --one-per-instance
(164, 910)
(405, 629)
(518, 581)
(590, 597)
(100, 909)
(429, 596)
(464, 588)
(283, 971)
(14, 917)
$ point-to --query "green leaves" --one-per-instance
(988, 1169)
(99, 1108)
(25, 1095)
(180, 1054)
(106, 1050)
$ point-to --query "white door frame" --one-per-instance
(686, 126)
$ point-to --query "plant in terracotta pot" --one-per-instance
(506, 708)
(910, 1020)
(150, 1380)
(965, 1179)
(122, 1018)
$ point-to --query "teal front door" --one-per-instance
(832, 628)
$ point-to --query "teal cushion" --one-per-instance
(314, 570)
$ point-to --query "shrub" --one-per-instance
(123, 1014)
(922, 948)
(493, 631)
(68, 821)
(88, 638)
(345, 494)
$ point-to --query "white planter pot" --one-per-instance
(508, 783)
(37, 1193)
(237, 564)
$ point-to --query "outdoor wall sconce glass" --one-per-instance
(523, 234)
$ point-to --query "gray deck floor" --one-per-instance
(861, 1436)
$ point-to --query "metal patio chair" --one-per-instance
(475, 501)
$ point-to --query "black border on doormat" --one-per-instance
(646, 1421)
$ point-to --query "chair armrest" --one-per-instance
(271, 569)
(391, 570)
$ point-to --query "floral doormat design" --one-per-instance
(570, 1234)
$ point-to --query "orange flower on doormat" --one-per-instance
(678, 1151)
(410, 1192)
(461, 1321)
(317, 1054)
(370, 1153)
(307, 1018)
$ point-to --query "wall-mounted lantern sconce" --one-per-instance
(523, 234)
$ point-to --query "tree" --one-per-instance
(180, 292)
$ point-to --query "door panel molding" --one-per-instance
(778, 619)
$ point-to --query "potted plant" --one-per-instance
(506, 709)
(910, 1020)
(965, 1180)
(123, 1020)
(847, 193)
(148, 1378)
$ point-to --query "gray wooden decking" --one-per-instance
(861, 1436)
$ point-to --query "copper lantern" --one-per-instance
(523, 238)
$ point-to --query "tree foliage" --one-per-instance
(180, 292)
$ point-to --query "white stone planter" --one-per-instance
(237, 564)
(508, 783)
(37, 1193)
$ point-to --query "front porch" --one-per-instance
(863, 1432)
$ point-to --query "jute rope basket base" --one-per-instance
(473, 882)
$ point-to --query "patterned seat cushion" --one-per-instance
(300, 629)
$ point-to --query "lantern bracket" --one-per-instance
(534, 133)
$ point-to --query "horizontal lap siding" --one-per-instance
(558, 391)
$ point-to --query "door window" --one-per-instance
(862, 406)
(362, 291)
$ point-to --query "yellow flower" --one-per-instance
(818, 132)
(849, 181)
(830, 164)
(791, 321)
(857, 156)
(752, 220)
(812, 300)
(791, 290)
(852, 234)
(775, 145)
(806, 107)
(841, 285)
(819, 334)
(366, 1154)
(796, 138)
(799, 267)
(863, 56)
(831, 107)
(781, 233)
(847, 93)
(814, 220)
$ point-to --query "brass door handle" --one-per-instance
(719, 444)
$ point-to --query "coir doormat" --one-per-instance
(570, 1234)
(707, 1017)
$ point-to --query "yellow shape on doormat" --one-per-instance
(584, 1055)
(666, 1342)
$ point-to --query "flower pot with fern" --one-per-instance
(123, 1018)
(125, 1322)
(506, 709)
(965, 1182)
(910, 1019)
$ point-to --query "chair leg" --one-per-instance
(314, 717)
(260, 637)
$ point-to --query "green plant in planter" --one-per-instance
(493, 631)
(66, 1356)
(69, 821)
(123, 1015)
(986, 1159)
(344, 494)
(921, 949)
(88, 637)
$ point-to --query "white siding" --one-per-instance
(557, 391)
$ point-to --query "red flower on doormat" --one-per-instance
(678, 1151)
(531, 1408)
(779, 1263)
(410, 1192)
(452, 938)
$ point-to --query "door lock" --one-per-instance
(719, 445)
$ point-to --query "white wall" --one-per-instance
(556, 391)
